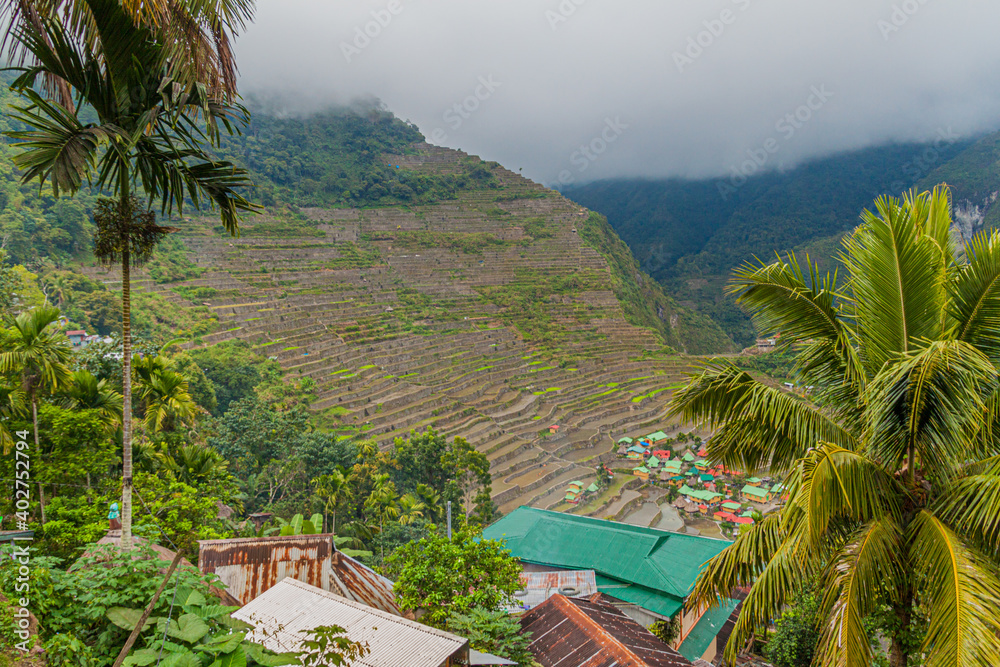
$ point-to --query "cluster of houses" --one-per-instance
(591, 589)
(703, 487)
(575, 491)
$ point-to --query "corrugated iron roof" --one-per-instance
(288, 608)
(251, 566)
(537, 587)
(591, 632)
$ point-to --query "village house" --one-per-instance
(756, 494)
(593, 631)
(282, 614)
(647, 573)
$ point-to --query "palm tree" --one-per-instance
(199, 34)
(893, 467)
(39, 352)
(12, 406)
(410, 509)
(431, 500)
(86, 392)
(330, 488)
(163, 394)
(148, 136)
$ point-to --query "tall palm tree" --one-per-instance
(198, 32)
(330, 488)
(149, 136)
(39, 352)
(892, 465)
(12, 406)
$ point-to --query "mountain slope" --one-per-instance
(690, 234)
(477, 302)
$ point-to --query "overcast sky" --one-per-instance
(653, 88)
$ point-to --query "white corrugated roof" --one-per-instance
(291, 606)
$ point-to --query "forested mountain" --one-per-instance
(690, 234)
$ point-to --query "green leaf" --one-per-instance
(258, 654)
(189, 628)
(186, 659)
(141, 658)
(237, 658)
(126, 618)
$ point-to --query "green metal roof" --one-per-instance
(592, 488)
(672, 465)
(641, 469)
(625, 440)
(653, 462)
(657, 436)
(647, 598)
(666, 563)
(754, 491)
(638, 449)
(705, 477)
(700, 494)
(688, 456)
(754, 480)
(708, 627)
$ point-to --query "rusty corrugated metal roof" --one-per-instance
(251, 566)
(540, 586)
(281, 614)
(592, 632)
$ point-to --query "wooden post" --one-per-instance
(149, 610)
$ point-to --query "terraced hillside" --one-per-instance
(491, 316)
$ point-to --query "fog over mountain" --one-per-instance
(651, 88)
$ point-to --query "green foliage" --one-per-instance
(327, 647)
(234, 371)
(495, 632)
(472, 243)
(79, 604)
(170, 262)
(667, 631)
(644, 301)
(442, 577)
(793, 642)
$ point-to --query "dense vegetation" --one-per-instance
(690, 234)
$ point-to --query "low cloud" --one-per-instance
(693, 88)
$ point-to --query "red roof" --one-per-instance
(743, 519)
(725, 516)
(76, 332)
(661, 454)
(592, 632)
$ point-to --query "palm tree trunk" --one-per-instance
(38, 448)
(898, 655)
(126, 404)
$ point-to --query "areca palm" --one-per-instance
(153, 122)
(330, 488)
(893, 467)
(199, 33)
(86, 392)
(12, 406)
(39, 352)
(410, 509)
(163, 394)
